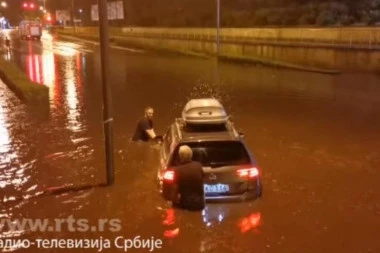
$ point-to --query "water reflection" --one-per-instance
(42, 69)
(66, 49)
(73, 117)
(216, 214)
(12, 172)
(34, 68)
(71, 96)
(212, 216)
(169, 222)
(8, 55)
(4, 134)
(7, 155)
(48, 73)
(62, 74)
(249, 223)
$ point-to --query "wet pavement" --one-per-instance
(316, 138)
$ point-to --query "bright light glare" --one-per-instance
(66, 51)
(4, 134)
(72, 98)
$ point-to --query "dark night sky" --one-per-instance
(14, 9)
(238, 13)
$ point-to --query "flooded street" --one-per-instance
(316, 138)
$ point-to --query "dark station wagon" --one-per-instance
(231, 172)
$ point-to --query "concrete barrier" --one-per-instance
(368, 37)
(18, 82)
(313, 48)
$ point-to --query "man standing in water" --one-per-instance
(144, 130)
(189, 192)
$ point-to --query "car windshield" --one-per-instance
(216, 154)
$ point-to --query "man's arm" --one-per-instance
(151, 133)
(148, 129)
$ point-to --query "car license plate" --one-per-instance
(216, 188)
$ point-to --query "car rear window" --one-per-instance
(215, 154)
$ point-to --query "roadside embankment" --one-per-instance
(127, 43)
(21, 85)
(174, 47)
(323, 50)
(273, 63)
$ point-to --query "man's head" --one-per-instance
(185, 153)
(149, 112)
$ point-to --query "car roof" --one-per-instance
(219, 132)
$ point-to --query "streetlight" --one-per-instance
(80, 16)
(3, 22)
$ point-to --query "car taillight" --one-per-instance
(248, 172)
(168, 175)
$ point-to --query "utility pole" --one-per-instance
(72, 14)
(217, 28)
(107, 115)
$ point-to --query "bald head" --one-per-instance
(149, 112)
(185, 153)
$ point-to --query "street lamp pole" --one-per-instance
(107, 115)
(217, 27)
(72, 12)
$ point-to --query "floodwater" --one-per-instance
(316, 138)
